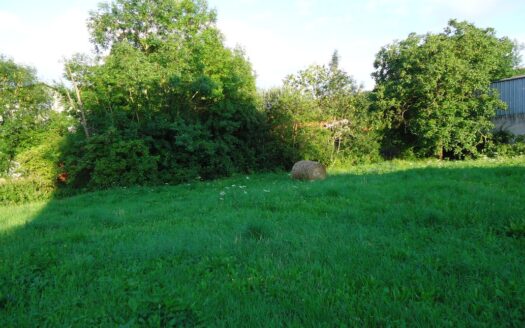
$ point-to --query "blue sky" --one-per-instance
(280, 37)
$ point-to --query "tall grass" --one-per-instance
(394, 244)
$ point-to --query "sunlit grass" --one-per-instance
(397, 243)
(14, 216)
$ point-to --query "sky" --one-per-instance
(280, 37)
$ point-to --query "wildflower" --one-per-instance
(222, 193)
(266, 190)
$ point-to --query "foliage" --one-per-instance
(148, 25)
(111, 161)
(505, 144)
(43, 159)
(169, 89)
(31, 134)
(519, 71)
(24, 190)
(288, 113)
(323, 83)
(434, 243)
(434, 89)
(39, 166)
(25, 110)
(321, 114)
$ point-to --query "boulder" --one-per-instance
(308, 170)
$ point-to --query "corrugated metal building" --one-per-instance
(512, 91)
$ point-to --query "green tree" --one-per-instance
(519, 71)
(165, 88)
(148, 24)
(434, 90)
(25, 109)
(323, 82)
(321, 114)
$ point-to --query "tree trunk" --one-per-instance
(80, 105)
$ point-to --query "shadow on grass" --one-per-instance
(425, 246)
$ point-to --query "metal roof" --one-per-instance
(511, 78)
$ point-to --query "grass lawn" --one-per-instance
(395, 244)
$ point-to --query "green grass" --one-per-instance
(396, 244)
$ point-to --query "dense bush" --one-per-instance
(31, 134)
(25, 110)
(38, 167)
(320, 114)
(25, 190)
(167, 103)
(505, 144)
(108, 160)
(434, 90)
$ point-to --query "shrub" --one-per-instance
(25, 110)
(42, 161)
(17, 191)
(338, 130)
(109, 160)
(38, 165)
(505, 144)
(434, 92)
(162, 108)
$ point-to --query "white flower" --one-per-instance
(222, 193)
(266, 190)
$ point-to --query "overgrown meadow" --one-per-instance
(395, 244)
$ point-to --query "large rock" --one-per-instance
(308, 170)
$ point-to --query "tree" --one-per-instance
(434, 90)
(163, 90)
(323, 82)
(519, 71)
(147, 24)
(321, 114)
(25, 108)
